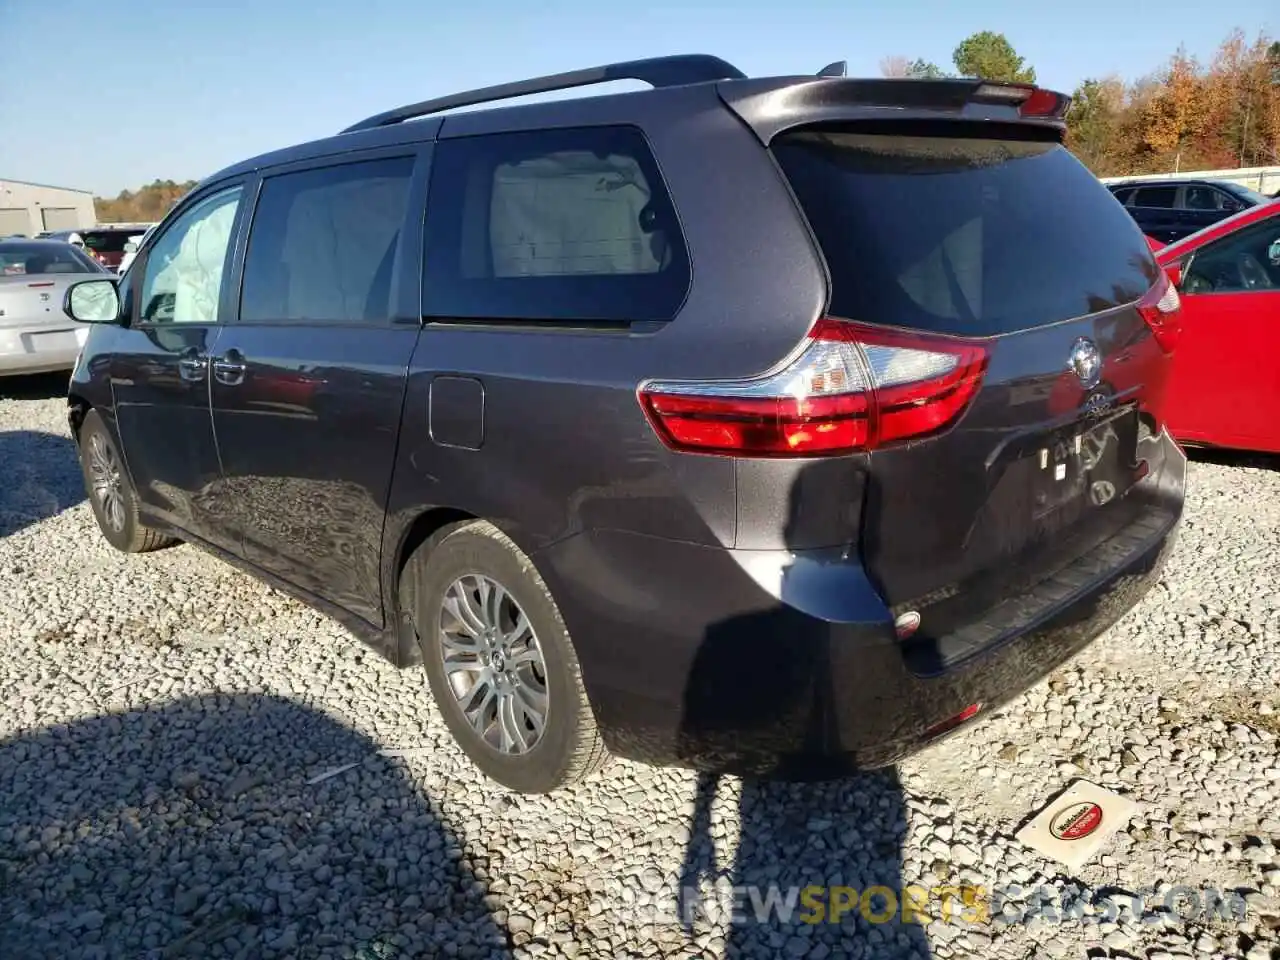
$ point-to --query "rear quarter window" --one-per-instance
(975, 237)
(554, 226)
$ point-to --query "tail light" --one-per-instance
(848, 388)
(1161, 308)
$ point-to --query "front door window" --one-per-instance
(183, 278)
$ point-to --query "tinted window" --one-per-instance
(561, 225)
(106, 241)
(1199, 197)
(1123, 193)
(1245, 261)
(968, 236)
(323, 243)
(1250, 197)
(1156, 197)
(182, 282)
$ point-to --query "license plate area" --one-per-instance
(52, 342)
(1084, 465)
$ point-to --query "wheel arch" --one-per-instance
(399, 589)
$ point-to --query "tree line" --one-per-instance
(145, 205)
(1184, 116)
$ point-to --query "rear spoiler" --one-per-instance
(772, 106)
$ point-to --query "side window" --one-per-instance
(323, 244)
(1196, 197)
(1246, 261)
(184, 270)
(1123, 194)
(559, 226)
(1162, 197)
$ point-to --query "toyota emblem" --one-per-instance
(1086, 363)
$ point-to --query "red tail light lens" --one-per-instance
(849, 388)
(1162, 309)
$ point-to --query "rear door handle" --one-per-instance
(192, 365)
(229, 368)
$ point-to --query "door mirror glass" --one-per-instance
(93, 301)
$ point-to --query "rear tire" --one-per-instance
(111, 492)
(479, 603)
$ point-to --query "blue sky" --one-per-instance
(109, 95)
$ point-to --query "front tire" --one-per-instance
(500, 662)
(110, 490)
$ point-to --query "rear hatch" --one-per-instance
(1015, 249)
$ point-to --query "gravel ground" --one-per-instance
(164, 720)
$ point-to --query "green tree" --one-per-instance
(1095, 114)
(924, 70)
(990, 56)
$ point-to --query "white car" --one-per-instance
(35, 335)
(131, 248)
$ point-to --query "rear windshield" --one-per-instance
(975, 237)
(107, 241)
(43, 257)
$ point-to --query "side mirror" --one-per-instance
(1174, 271)
(130, 246)
(93, 301)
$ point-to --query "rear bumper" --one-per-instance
(21, 349)
(769, 663)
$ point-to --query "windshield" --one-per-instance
(1244, 193)
(970, 236)
(17, 259)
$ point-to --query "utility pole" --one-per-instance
(1244, 134)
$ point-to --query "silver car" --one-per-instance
(35, 335)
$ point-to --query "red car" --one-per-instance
(1225, 386)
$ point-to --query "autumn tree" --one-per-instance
(146, 205)
(1174, 119)
(990, 56)
(896, 66)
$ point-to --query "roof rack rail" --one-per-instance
(657, 71)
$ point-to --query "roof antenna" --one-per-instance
(838, 69)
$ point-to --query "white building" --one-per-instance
(32, 208)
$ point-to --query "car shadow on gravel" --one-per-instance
(39, 478)
(817, 870)
(1234, 458)
(190, 829)
(35, 386)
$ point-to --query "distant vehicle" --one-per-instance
(65, 236)
(1169, 210)
(1224, 389)
(132, 246)
(106, 244)
(36, 336)
(634, 466)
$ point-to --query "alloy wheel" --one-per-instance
(105, 477)
(494, 663)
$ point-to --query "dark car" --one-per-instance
(1169, 210)
(769, 425)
